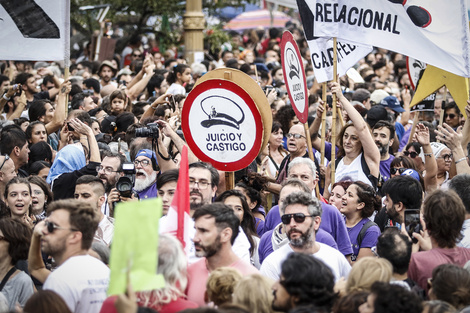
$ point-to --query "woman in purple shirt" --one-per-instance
(358, 204)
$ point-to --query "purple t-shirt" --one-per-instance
(368, 241)
(385, 168)
(149, 192)
(259, 224)
(331, 221)
(265, 247)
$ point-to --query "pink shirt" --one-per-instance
(198, 275)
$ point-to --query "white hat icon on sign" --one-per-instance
(221, 111)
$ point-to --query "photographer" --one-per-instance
(14, 102)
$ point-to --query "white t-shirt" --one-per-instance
(105, 231)
(82, 282)
(176, 89)
(354, 171)
(271, 266)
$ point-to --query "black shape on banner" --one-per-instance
(307, 19)
(218, 118)
(31, 19)
(294, 69)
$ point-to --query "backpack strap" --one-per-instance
(7, 277)
(362, 233)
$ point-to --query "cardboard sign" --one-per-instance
(426, 105)
(294, 75)
(222, 124)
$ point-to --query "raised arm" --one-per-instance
(452, 140)
(36, 266)
(163, 99)
(422, 136)
(371, 152)
(59, 115)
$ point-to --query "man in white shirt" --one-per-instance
(66, 235)
(301, 214)
(90, 188)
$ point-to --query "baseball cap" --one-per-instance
(392, 102)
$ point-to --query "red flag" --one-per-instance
(178, 219)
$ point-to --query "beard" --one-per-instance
(383, 149)
(142, 184)
(53, 250)
(304, 240)
(209, 250)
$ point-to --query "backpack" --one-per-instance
(361, 235)
(376, 182)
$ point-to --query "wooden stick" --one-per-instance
(340, 118)
(310, 153)
(333, 125)
(441, 117)
(256, 74)
(413, 128)
(323, 130)
(66, 76)
(229, 180)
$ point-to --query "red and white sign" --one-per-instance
(222, 124)
(294, 75)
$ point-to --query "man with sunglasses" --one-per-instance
(301, 214)
(66, 235)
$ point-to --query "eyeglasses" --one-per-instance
(143, 163)
(202, 184)
(298, 218)
(51, 227)
(394, 170)
(446, 157)
(6, 158)
(411, 154)
(451, 116)
(106, 170)
(296, 136)
(137, 55)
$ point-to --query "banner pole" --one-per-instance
(333, 126)
(310, 154)
(323, 130)
(229, 180)
(441, 117)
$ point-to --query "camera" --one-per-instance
(279, 92)
(125, 183)
(150, 131)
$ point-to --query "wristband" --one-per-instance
(428, 154)
(5, 97)
(460, 160)
(153, 107)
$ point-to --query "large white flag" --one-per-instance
(321, 49)
(36, 30)
(433, 31)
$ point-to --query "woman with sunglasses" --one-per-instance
(358, 204)
(444, 159)
(237, 201)
(355, 143)
(15, 238)
(18, 200)
(422, 154)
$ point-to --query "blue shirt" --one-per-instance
(149, 192)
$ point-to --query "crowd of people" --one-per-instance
(388, 232)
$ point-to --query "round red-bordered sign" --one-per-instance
(222, 125)
(294, 76)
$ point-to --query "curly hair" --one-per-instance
(284, 116)
(221, 284)
(18, 236)
(444, 214)
(367, 195)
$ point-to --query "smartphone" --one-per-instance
(412, 223)
(70, 127)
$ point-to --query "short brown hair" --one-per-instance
(444, 214)
(82, 217)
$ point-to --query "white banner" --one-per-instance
(36, 30)
(433, 31)
(321, 49)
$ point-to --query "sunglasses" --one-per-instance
(411, 154)
(394, 170)
(3, 163)
(451, 116)
(446, 157)
(298, 218)
(296, 136)
(51, 227)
